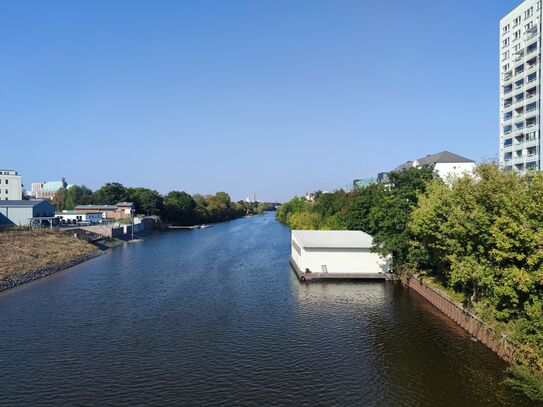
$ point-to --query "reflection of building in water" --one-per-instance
(332, 296)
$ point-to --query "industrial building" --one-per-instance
(520, 88)
(11, 185)
(26, 213)
(335, 254)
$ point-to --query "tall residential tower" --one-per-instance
(520, 92)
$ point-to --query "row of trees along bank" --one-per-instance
(176, 207)
(479, 237)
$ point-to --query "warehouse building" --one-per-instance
(319, 254)
(26, 213)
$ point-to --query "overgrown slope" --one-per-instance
(24, 251)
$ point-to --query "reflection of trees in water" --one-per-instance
(423, 356)
(393, 348)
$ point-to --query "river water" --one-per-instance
(216, 317)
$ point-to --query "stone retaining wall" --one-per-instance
(104, 230)
(14, 281)
(468, 321)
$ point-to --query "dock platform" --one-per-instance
(316, 276)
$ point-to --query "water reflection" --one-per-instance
(217, 317)
(322, 295)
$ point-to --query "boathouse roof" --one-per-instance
(333, 239)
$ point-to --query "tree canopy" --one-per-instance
(110, 194)
(176, 207)
(71, 197)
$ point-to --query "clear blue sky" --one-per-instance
(275, 97)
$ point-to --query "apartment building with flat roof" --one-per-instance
(520, 88)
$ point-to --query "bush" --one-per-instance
(526, 382)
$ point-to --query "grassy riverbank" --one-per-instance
(25, 251)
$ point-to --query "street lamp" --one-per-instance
(132, 216)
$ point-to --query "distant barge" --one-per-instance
(190, 227)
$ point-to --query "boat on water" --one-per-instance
(205, 226)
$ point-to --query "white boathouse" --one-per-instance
(318, 254)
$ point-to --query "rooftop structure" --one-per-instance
(444, 163)
(120, 210)
(21, 203)
(93, 208)
(430, 161)
(342, 239)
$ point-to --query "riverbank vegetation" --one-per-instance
(480, 237)
(381, 210)
(29, 250)
(176, 207)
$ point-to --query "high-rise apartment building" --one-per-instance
(520, 88)
(11, 185)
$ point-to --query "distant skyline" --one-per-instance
(274, 98)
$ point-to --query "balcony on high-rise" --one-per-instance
(531, 122)
(530, 93)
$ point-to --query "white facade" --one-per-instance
(450, 170)
(35, 188)
(73, 216)
(447, 171)
(520, 93)
(445, 164)
(11, 186)
(336, 252)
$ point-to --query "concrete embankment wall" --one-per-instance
(142, 227)
(468, 321)
(106, 231)
(14, 281)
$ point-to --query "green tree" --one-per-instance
(358, 215)
(483, 237)
(71, 197)
(146, 201)
(110, 194)
(179, 207)
(390, 215)
(285, 211)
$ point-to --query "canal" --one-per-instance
(216, 317)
